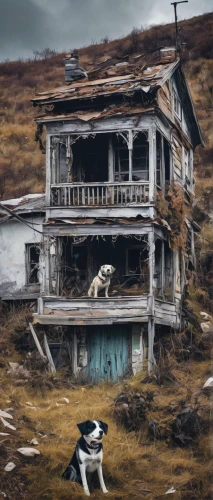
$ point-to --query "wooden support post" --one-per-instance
(48, 169)
(151, 244)
(110, 160)
(151, 327)
(130, 148)
(163, 267)
(40, 306)
(38, 345)
(162, 173)
(152, 162)
(49, 355)
(151, 336)
(74, 354)
(47, 264)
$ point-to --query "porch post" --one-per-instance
(152, 161)
(151, 336)
(48, 174)
(130, 147)
(163, 267)
(47, 265)
(151, 312)
(110, 160)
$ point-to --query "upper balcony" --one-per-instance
(99, 194)
(120, 169)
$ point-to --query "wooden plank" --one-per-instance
(38, 345)
(48, 170)
(151, 335)
(112, 124)
(49, 355)
(67, 320)
(110, 160)
(87, 230)
(152, 161)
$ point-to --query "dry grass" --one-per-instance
(132, 461)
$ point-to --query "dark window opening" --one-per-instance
(162, 160)
(140, 158)
(90, 159)
(158, 159)
(73, 268)
(167, 160)
(177, 105)
(158, 267)
(32, 252)
(137, 267)
(63, 167)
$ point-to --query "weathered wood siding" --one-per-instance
(92, 311)
(164, 100)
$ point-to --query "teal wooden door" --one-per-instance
(108, 352)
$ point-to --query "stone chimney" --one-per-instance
(73, 70)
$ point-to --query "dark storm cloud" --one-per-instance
(27, 25)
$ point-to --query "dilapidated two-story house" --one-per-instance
(117, 139)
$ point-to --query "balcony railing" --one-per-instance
(99, 194)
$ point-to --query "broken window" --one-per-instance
(32, 254)
(177, 105)
(158, 159)
(187, 167)
(74, 267)
(137, 265)
(140, 159)
(90, 159)
(162, 160)
(121, 163)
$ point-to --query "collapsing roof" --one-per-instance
(30, 203)
(144, 79)
(121, 87)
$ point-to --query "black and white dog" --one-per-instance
(88, 454)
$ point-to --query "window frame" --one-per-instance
(28, 263)
(177, 105)
(119, 172)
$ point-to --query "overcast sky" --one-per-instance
(28, 25)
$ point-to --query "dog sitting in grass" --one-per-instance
(102, 280)
(88, 454)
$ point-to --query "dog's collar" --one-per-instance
(91, 446)
(105, 277)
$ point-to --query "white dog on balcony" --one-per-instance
(102, 280)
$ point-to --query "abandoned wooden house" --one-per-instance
(20, 247)
(115, 138)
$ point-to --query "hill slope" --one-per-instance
(21, 161)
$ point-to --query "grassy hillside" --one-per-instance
(21, 161)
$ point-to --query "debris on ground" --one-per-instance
(9, 467)
(208, 383)
(186, 427)
(130, 408)
(28, 452)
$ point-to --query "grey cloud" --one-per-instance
(27, 25)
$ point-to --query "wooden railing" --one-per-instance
(99, 194)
